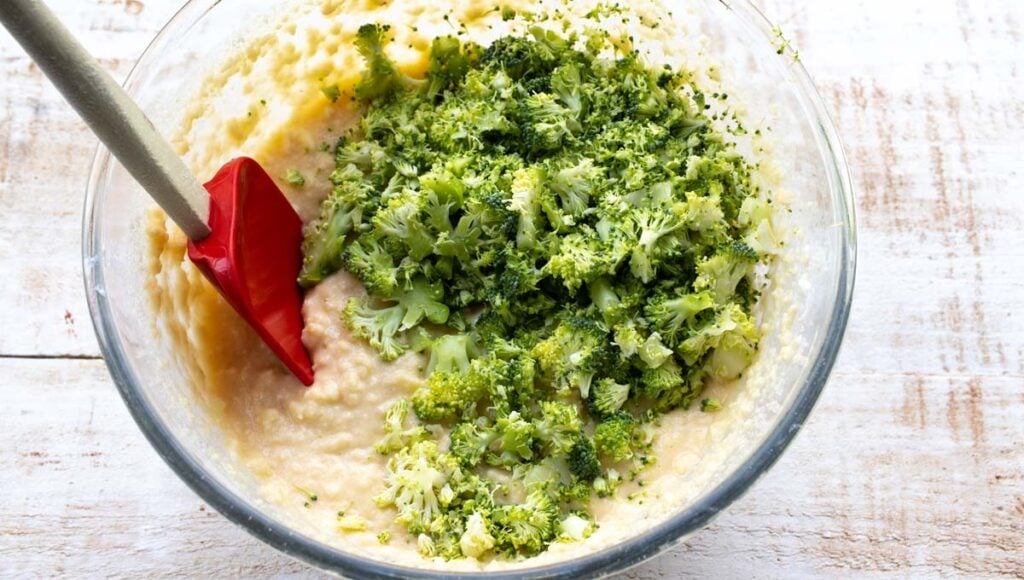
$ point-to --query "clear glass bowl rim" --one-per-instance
(609, 560)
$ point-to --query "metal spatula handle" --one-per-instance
(110, 113)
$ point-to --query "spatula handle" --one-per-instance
(110, 113)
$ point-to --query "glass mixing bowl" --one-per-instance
(808, 304)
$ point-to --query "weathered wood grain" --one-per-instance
(912, 464)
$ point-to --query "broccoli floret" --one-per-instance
(383, 327)
(581, 259)
(755, 215)
(378, 326)
(574, 353)
(450, 354)
(710, 405)
(447, 395)
(520, 57)
(575, 528)
(607, 484)
(548, 124)
(574, 185)
(723, 271)
(615, 437)
(607, 396)
(654, 352)
(447, 65)
(369, 261)
(654, 241)
(477, 539)
(396, 434)
(703, 214)
(401, 219)
(422, 300)
(628, 339)
(526, 192)
(558, 426)
(415, 479)
(673, 316)
(340, 214)
(381, 77)
(515, 440)
(528, 527)
(732, 339)
(583, 461)
(566, 81)
(470, 441)
(666, 386)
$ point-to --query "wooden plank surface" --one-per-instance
(911, 465)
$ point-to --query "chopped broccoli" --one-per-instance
(723, 271)
(470, 441)
(447, 395)
(732, 338)
(381, 77)
(528, 527)
(570, 239)
(654, 352)
(379, 326)
(574, 353)
(294, 177)
(710, 405)
(558, 426)
(672, 316)
(607, 396)
(448, 64)
(575, 528)
(583, 459)
(476, 540)
(396, 434)
(615, 436)
(416, 476)
(450, 353)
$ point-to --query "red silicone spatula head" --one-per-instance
(253, 256)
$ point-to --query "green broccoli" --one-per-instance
(416, 476)
(381, 77)
(378, 326)
(732, 339)
(574, 353)
(607, 396)
(448, 395)
(558, 427)
(477, 539)
(615, 436)
(731, 327)
(402, 220)
(450, 354)
(655, 240)
(583, 461)
(653, 352)
(515, 440)
(666, 386)
(396, 434)
(528, 527)
(570, 238)
(723, 271)
(448, 64)
(673, 316)
(375, 267)
(470, 441)
(526, 191)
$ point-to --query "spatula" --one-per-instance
(244, 235)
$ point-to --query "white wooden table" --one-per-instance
(911, 465)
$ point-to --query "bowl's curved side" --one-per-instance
(617, 557)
